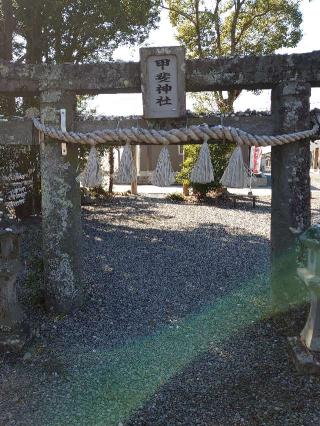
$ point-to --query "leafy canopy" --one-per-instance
(81, 30)
(235, 27)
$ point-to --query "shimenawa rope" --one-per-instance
(174, 136)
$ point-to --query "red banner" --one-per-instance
(255, 159)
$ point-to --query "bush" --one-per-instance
(220, 154)
(175, 196)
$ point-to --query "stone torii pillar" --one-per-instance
(61, 213)
(290, 211)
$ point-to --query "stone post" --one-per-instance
(61, 214)
(14, 331)
(290, 210)
(310, 275)
(310, 335)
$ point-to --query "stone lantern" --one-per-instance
(310, 275)
(13, 332)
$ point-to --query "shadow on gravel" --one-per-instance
(147, 278)
(160, 299)
(263, 206)
(246, 379)
(133, 209)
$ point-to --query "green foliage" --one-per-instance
(204, 103)
(82, 105)
(176, 197)
(80, 30)
(220, 154)
(242, 27)
(94, 195)
(237, 27)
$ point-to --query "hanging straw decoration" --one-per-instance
(91, 176)
(127, 169)
(236, 174)
(202, 171)
(163, 174)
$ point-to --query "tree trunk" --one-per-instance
(33, 46)
(7, 104)
(225, 105)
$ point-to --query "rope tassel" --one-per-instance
(91, 176)
(127, 169)
(163, 174)
(202, 171)
(235, 175)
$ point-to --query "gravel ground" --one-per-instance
(175, 331)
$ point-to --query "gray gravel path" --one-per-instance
(175, 330)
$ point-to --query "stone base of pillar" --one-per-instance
(305, 361)
(14, 339)
(14, 331)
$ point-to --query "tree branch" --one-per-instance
(197, 28)
(172, 9)
(248, 24)
(217, 26)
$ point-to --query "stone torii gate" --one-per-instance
(289, 76)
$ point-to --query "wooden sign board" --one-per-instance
(163, 82)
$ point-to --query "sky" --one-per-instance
(131, 104)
